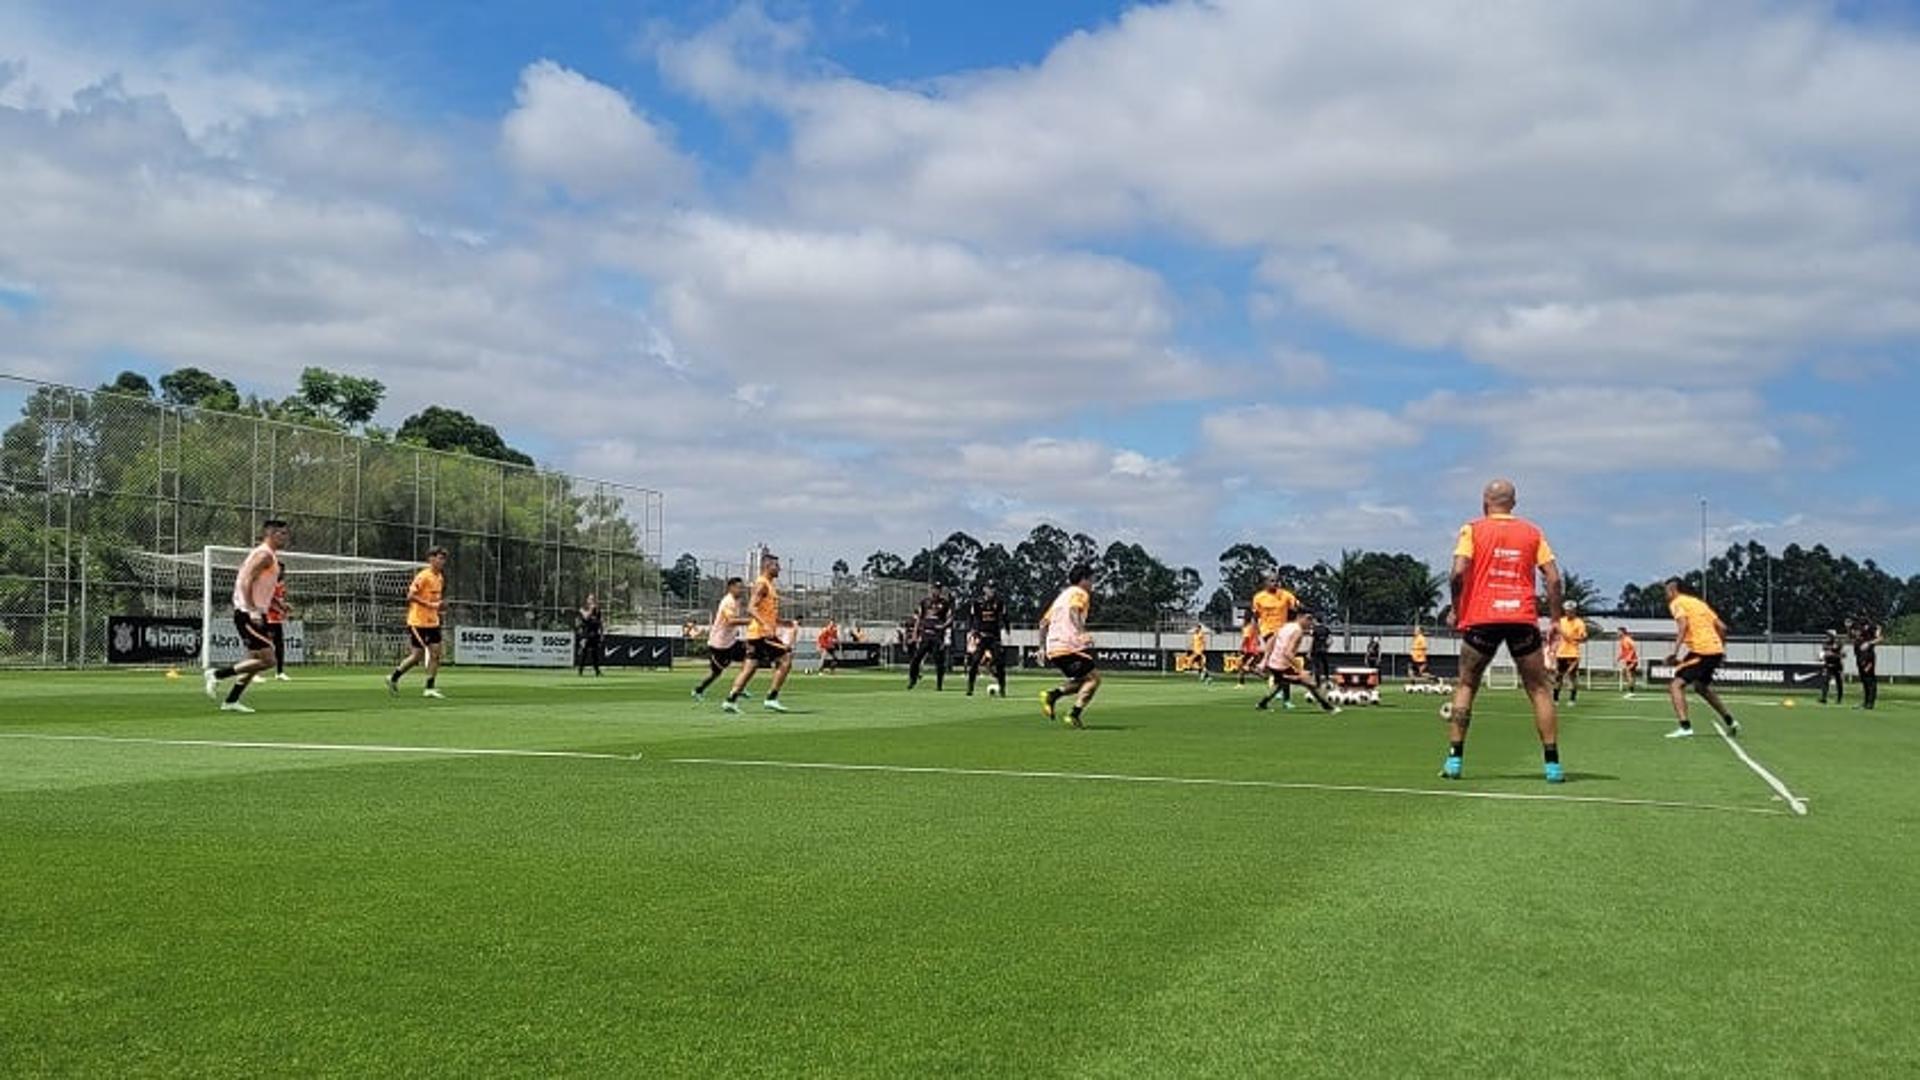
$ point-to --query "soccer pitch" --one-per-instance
(886, 883)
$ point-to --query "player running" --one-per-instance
(1274, 607)
(1628, 659)
(425, 604)
(1495, 563)
(724, 644)
(1069, 647)
(277, 613)
(764, 647)
(1699, 637)
(932, 621)
(987, 619)
(1197, 652)
(1569, 635)
(1286, 667)
(1249, 650)
(252, 599)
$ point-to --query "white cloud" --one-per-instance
(1614, 430)
(585, 136)
(1300, 449)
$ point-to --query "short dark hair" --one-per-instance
(732, 581)
(271, 524)
(1080, 572)
(437, 550)
(1680, 586)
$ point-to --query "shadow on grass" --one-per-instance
(1573, 777)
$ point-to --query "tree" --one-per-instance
(884, 564)
(130, 383)
(194, 387)
(682, 579)
(841, 570)
(1242, 568)
(345, 400)
(1221, 610)
(440, 428)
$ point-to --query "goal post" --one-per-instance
(346, 601)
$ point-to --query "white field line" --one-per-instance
(1191, 781)
(351, 748)
(1794, 802)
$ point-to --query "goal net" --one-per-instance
(343, 609)
(1502, 674)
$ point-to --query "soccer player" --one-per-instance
(1628, 658)
(829, 644)
(931, 623)
(1569, 634)
(1495, 563)
(1069, 647)
(988, 619)
(724, 645)
(277, 613)
(425, 603)
(252, 598)
(1273, 607)
(1702, 635)
(1197, 652)
(764, 648)
(1285, 666)
(1320, 653)
(592, 623)
(1866, 662)
(1249, 649)
(1833, 668)
(1373, 652)
(1418, 652)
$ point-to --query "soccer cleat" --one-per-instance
(213, 683)
(283, 677)
(1287, 704)
(1046, 703)
(773, 704)
(432, 693)
(1262, 705)
(1072, 721)
(1680, 733)
(1335, 711)
(1556, 774)
(1450, 768)
(393, 686)
(235, 706)
(1733, 729)
(698, 696)
(730, 707)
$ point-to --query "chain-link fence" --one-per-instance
(90, 480)
(872, 608)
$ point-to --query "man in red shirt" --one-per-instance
(1494, 565)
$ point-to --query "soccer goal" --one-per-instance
(1502, 674)
(348, 608)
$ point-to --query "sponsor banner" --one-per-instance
(1741, 673)
(499, 647)
(224, 646)
(1110, 659)
(857, 654)
(628, 650)
(143, 639)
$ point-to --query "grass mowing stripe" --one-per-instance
(1202, 781)
(359, 748)
(1797, 804)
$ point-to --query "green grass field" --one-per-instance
(678, 905)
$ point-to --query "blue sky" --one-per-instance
(831, 274)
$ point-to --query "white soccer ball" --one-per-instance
(1373, 697)
(1446, 711)
(993, 689)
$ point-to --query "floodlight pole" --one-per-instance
(1703, 547)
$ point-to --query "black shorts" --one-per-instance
(1073, 665)
(735, 653)
(1697, 670)
(767, 650)
(255, 634)
(1565, 664)
(988, 646)
(421, 637)
(1521, 639)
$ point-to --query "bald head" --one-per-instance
(1499, 497)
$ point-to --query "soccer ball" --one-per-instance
(1446, 711)
(993, 689)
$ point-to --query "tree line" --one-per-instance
(1812, 590)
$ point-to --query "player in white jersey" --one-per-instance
(1068, 646)
(1285, 667)
(724, 644)
(252, 597)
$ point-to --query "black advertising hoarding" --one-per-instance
(855, 654)
(626, 650)
(149, 639)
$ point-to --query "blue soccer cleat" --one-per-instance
(1556, 774)
(1450, 769)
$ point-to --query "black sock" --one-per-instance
(1456, 749)
(395, 677)
(1686, 725)
(1551, 752)
(1556, 694)
(1076, 711)
(430, 679)
(773, 695)
(234, 694)
(733, 695)
(223, 673)
(1574, 694)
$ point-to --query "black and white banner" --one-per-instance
(146, 639)
(627, 650)
(1108, 659)
(500, 647)
(1744, 673)
(857, 654)
(227, 649)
